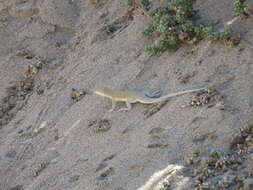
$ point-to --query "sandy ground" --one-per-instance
(49, 142)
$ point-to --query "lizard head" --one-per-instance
(103, 92)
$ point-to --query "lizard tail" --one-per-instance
(146, 100)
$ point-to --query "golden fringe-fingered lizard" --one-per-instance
(130, 97)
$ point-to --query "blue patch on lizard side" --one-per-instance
(153, 94)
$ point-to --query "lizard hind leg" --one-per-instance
(129, 107)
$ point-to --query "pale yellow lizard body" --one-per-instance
(133, 97)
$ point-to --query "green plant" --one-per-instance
(239, 6)
(177, 24)
(145, 4)
(182, 7)
(130, 3)
(163, 187)
(216, 154)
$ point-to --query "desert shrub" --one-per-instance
(177, 24)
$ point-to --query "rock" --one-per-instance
(11, 154)
(59, 12)
(74, 178)
(37, 30)
(99, 125)
(17, 187)
(248, 184)
(23, 9)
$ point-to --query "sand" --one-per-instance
(50, 141)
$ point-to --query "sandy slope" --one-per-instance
(52, 143)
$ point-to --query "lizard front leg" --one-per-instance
(128, 104)
(113, 105)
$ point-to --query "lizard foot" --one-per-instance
(123, 109)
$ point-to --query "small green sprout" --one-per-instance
(239, 6)
(130, 3)
(146, 4)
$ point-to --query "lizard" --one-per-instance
(130, 97)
